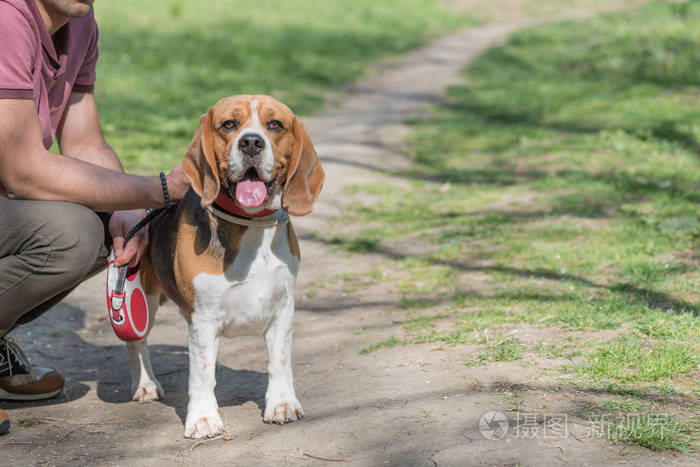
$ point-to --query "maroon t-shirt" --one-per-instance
(31, 67)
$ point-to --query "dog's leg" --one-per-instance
(144, 385)
(281, 404)
(203, 420)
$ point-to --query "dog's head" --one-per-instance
(255, 150)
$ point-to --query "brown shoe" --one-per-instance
(19, 381)
(4, 422)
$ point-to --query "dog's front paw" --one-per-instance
(203, 426)
(149, 391)
(282, 409)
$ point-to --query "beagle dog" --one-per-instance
(227, 255)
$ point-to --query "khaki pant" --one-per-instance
(47, 248)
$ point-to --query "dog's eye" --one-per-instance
(274, 125)
(229, 125)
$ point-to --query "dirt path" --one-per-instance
(414, 405)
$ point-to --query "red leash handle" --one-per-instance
(127, 308)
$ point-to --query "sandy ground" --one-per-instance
(416, 405)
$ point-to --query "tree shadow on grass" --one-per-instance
(531, 89)
(470, 107)
(636, 293)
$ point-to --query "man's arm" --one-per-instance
(80, 136)
(28, 171)
(80, 133)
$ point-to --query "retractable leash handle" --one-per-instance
(127, 307)
(118, 295)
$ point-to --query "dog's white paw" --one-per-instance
(282, 409)
(203, 426)
(149, 391)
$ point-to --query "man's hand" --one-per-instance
(119, 225)
(178, 184)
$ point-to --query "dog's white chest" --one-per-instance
(254, 288)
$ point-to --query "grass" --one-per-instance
(162, 64)
(656, 432)
(622, 405)
(633, 359)
(632, 422)
(29, 422)
(558, 188)
(506, 350)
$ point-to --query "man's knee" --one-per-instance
(48, 248)
(77, 239)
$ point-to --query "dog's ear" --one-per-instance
(200, 162)
(304, 175)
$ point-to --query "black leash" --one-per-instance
(121, 279)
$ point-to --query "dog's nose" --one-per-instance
(251, 144)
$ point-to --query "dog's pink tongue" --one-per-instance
(250, 191)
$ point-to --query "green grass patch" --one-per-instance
(632, 422)
(635, 360)
(162, 64)
(360, 244)
(622, 405)
(506, 350)
(392, 341)
(422, 322)
(658, 432)
(29, 422)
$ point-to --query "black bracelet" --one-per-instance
(166, 196)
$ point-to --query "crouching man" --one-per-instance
(59, 213)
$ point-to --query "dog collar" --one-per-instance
(225, 208)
